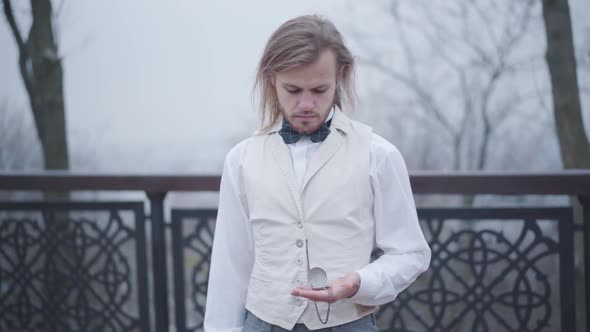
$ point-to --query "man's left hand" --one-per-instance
(342, 288)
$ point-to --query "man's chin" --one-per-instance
(307, 129)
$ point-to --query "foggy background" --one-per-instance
(165, 87)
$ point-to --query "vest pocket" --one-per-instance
(258, 290)
(257, 280)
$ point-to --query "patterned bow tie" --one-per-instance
(291, 136)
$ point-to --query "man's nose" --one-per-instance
(306, 102)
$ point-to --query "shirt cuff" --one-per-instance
(368, 290)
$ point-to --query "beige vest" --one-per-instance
(333, 212)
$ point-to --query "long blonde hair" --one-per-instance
(299, 42)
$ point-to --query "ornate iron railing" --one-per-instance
(75, 266)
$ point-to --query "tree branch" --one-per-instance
(13, 27)
(425, 98)
(24, 56)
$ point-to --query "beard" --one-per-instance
(306, 122)
(305, 125)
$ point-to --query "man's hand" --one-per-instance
(342, 288)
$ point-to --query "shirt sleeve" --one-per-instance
(397, 232)
(233, 253)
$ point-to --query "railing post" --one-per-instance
(159, 265)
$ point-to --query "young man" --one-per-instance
(305, 201)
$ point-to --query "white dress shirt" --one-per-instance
(396, 231)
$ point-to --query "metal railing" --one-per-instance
(110, 266)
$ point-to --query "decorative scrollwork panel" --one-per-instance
(192, 238)
(73, 267)
(491, 270)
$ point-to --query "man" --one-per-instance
(305, 201)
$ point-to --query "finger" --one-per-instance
(321, 296)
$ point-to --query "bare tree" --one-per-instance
(41, 70)
(460, 66)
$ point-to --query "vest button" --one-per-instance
(298, 301)
(299, 243)
(299, 224)
(299, 261)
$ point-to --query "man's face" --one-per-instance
(306, 93)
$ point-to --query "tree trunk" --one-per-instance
(48, 73)
(560, 56)
(573, 141)
(42, 74)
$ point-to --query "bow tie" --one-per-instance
(290, 136)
